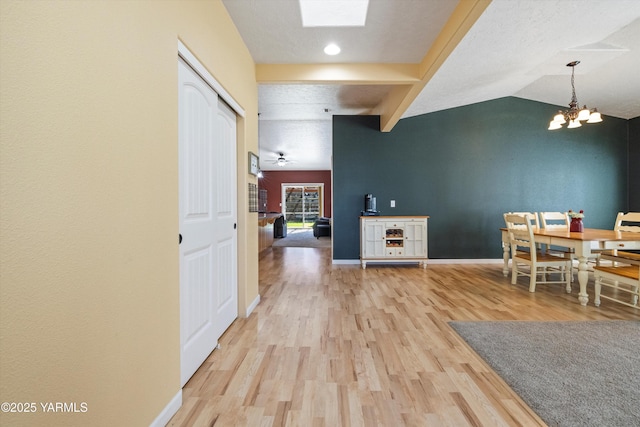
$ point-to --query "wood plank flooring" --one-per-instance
(335, 345)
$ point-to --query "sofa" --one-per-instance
(322, 227)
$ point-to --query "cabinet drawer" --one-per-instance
(394, 224)
(394, 252)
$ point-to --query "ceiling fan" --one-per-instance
(281, 161)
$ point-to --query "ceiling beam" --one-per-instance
(409, 78)
(399, 99)
(369, 74)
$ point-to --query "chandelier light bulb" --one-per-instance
(595, 117)
(559, 118)
(553, 125)
(574, 124)
(584, 114)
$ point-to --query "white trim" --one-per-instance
(190, 58)
(169, 411)
(431, 261)
(252, 306)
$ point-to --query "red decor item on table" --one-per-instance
(576, 225)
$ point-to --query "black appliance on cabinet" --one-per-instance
(369, 206)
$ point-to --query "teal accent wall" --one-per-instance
(634, 164)
(465, 167)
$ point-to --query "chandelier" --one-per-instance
(574, 115)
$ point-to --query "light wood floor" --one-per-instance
(335, 345)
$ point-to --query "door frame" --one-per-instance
(193, 62)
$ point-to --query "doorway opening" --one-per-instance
(302, 203)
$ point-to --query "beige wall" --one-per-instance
(89, 200)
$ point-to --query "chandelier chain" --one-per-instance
(574, 98)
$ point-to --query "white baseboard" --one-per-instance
(169, 411)
(432, 261)
(252, 306)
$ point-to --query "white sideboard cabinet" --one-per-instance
(393, 239)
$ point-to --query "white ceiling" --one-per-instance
(516, 48)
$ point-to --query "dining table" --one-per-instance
(584, 244)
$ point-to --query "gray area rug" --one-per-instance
(302, 238)
(571, 373)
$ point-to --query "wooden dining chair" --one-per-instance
(557, 221)
(629, 221)
(554, 220)
(524, 252)
(622, 278)
(533, 218)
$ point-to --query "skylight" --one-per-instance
(333, 13)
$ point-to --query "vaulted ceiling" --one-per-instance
(419, 56)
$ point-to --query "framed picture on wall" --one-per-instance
(253, 197)
(254, 161)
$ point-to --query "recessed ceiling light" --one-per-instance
(332, 49)
(333, 13)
